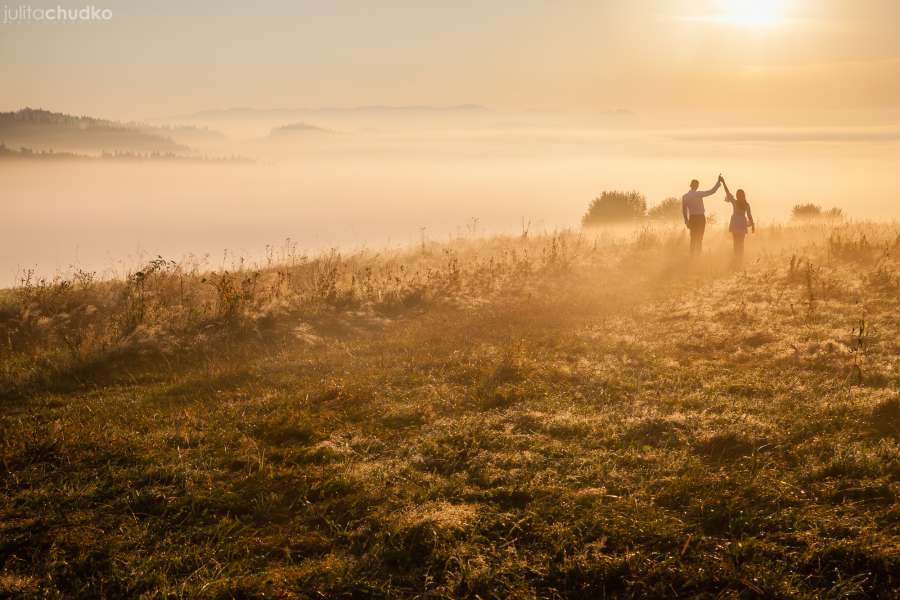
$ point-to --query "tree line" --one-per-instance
(613, 207)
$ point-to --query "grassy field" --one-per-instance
(570, 416)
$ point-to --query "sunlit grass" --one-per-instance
(575, 415)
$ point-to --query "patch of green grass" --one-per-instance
(602, 421)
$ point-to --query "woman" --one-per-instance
(741, 219)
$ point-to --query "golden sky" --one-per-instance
(665, 56)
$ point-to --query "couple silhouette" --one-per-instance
(694, 212)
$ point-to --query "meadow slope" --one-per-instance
(574, 415)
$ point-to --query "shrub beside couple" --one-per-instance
(695, 216)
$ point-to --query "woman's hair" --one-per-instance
(741, 200)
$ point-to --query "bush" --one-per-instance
(615, 207)
(667, 210)
(806, 211)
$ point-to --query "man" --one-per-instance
(695, 213)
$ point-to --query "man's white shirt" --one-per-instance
(692, 202)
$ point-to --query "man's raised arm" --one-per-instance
(712, 190)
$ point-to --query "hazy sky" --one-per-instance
(164, 58)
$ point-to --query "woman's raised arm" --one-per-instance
(728, 196)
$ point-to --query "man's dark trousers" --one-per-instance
(697, 225)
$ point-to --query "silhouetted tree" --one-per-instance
(806, 211)
(615, 207)
(814, 211)
(667, 210)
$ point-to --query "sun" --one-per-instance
(752, 13)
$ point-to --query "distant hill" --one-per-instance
(295, 129)
(44, 130)
(190, 135)
(29, 154)
(246, 113)
(7, 153)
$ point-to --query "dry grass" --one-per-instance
(577, 415)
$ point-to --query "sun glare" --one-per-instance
(752, 13)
